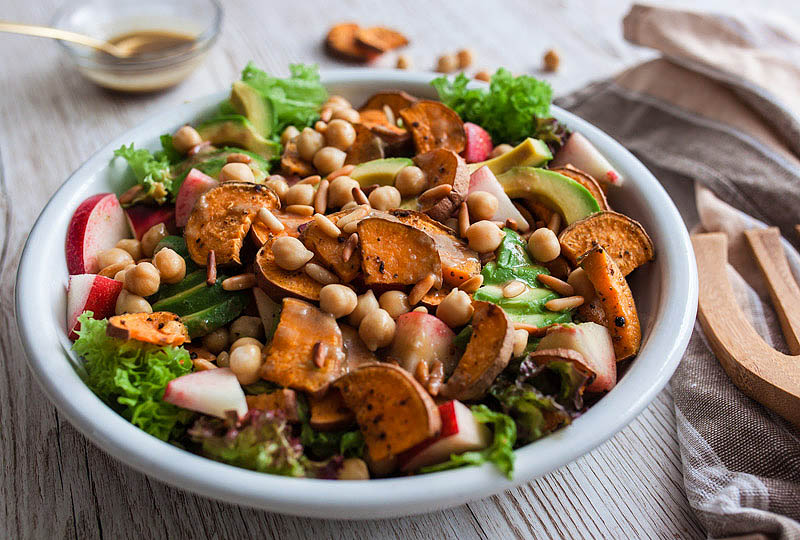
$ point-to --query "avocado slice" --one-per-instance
(237, 130)
(202, 322)
(530, 152)
(558, 192)
(526, 308)
(249, 102)
(379, 171)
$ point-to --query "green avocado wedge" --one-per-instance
(529, 153)
(379, 171)
(558, 192)
(235, 129)
(248, 102)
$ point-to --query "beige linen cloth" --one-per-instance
(716, 119)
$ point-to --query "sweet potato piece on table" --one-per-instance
(622, 319)
(289, 358)
(277, 282)
(623, 238)
(159, 328)
(341, 43)
(221, 219)
(284, 400)
(587, 181)
(380, 39)
(442, 166)
(397, 100)
(394, 254)
(393, 411)
(487, 353)
(329, 251)
(329, 412)
(434, 125)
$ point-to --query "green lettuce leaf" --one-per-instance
(558, 378)
(168, 151)
(151, 172)
(327, 444)
(131, 376)
(534, 414)
(512, 262)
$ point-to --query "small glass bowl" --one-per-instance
(146, 73)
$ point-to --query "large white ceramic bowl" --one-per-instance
(665, 291)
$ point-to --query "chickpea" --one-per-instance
(245, 362)
(143, 279)
(410, 181)
(246, 326)
(464, 57)
(501, 149)
(484, 76)
(217, 341)
(337, 101)
(245, 341)
(404, 62)
(384, 198)
(520, 342)
(581, 284)
(447, 63)
(107, 257)
(288, 134)
(377, 329)
(300, 194)
(353, 469)
(456, 308)
(170, 265)
(131, 303)
(152, 237)
(236, 172)
(309, 142)
(132, 246)
(328, 159)
(395, 303)
(340, 134)
(543, 245)
(347, 113)
(120, 276)
(482, 205)
(551, 60)
(338, 300)
(185, 138)
(366, 304)
(290, 253)
(484, 236)
(278, 184)
(340, 192)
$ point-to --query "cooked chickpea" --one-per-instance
(120, 276)
(338, 300)
(340, 192)
(247, 326)
(483, 75)
(245, 362)
(338, 102)
(447, 63)
(131, 303)
(501, 149)
(384, 198)
(404, 62)
(290, 253)
(395, 303)
(288, 134)
(543, 245)
(328, 159)
(245, 341)
(152, 237)
(347, 113)
(377, 329)
(520, 342)
(217, 341)
(236, 172)
(107, 257)
(484, 236)
(581, 284)
(340, 134)
(456, 308)
(366, 304)
(170, 265)
(410, 181)
(278, 184)
(464, 57)
(551, 60)
(132, 246)
(482, 205)
(353, 469)
(309, 142)
(300, 194)
(186, 138)
(143, 279)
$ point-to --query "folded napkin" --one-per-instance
(717, 120)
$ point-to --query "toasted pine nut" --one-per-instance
(326, 114)
(319, 353)
(421, 372)
(238, 158)
(347, 169)
(421, 289)
(554, 223)
(349, 247)
(211, 268)
(327, 226)
(314, 179)
(435, 193)
(268, 218)
(511, 223)
(514, 289)
(350, 205)
(320, 126)
(560, 286)
(355, 215)
(463, 220)
(520, 342)
(201, 364)
(389, 114)
(533, 330)
(240, 282)
(320, 274)
(563, 304)
(472, 284)
(420, 309)
(300, 209)
(359, 196)
(436, 377)
(321, 197)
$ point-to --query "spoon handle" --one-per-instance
(55, 33)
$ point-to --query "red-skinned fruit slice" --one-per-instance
(90, 292)
(594, 343)
(420, 337)
(479, 143)
(579, 152)
(142, 217)
(97, 224)
(214, 392)
(484, 180)
(195, 184)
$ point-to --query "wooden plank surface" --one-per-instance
(55, 484)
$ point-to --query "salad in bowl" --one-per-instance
(300, 287)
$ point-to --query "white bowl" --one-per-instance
(665, 291)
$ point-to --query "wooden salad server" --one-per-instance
(766, 375)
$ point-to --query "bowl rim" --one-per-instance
(673, 317)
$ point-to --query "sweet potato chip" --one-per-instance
(284, 400)
(279, 283)
(623, 238)
(380, 39)
(330, 251)
(366, 147)
(587, 181)
(330, 413)
(397, 100)
(292, 164)
(341, 42)
(260, 233)
(221, 219)
(394, 137)
(159, 328)
(592, 311)
(442, 166)
(434, 125)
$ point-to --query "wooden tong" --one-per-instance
(766, 375)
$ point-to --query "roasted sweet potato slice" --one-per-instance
(442, 166)
(459, 262)
(279, 283)
(614, 295)
(380, 39)
(260, 233)
(329, 412)
(366, 147)
(623, 238)
(341, 42)
(356, 352)
(397, 100)
(221, 219)
(487, 353)
(592, 311)
(292, 164)
(289, 360)
(587, 181)
(434, 297)
(394, 137)
(159, 328)
(394, 254)
(393, 411)
(434, 125)
(284, 400)
(330, 251)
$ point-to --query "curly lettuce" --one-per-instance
(152, 172)
(327, 444)
(558, 378)
(131, 377)
(534, 414)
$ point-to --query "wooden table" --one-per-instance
(55, 484)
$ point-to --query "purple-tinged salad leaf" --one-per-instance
(327, 444)
(552, 132)
(558, 378)
(534, 413)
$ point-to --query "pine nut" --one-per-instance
(463, 220)
(321, 197)
(327, 226)
(420, 309)
(319, 353)
(514, 289)
(389, 114)
(520, 342)
(211, 268)
(238, 158)
(436, 377)
(560, 286)
(300, 209)
(472, 284)
(201, 364)
(344, 171)
(240, 282)
(533, 330)
(435, 193)
(268, 218)
(359, 196)
(563, 304)
(320, 126)
(511, 223)
(355, 215)
(314, 179)
(421, 372)
(326, 114)
(421, 289)
(320, 274)
(554, 223)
